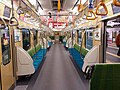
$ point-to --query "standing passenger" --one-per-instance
(118, 43)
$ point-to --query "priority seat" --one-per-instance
(86, 58)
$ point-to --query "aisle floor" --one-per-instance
(58, 73)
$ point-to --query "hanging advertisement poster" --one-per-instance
(7, 12)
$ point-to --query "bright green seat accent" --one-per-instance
(32, 51)
(52, 37)
(106, 77)
(38, 47)
(83, 50)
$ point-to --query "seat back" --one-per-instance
(106, 77)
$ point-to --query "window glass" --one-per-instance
(17, 35)
(26, 39)
(89, 39)
(5, 42)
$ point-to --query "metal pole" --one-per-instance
(104, 42)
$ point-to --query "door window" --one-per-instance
(26, 39)
(5, 42)
(89, 39)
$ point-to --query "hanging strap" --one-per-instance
(59, 5)
(101, 4)
(90, 4)
(116, 2)
(90, 11)
(3, 26)
(13, 18)
(80, 7)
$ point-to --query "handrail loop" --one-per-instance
(80, 7)
(104, 6)
(90, 11)
(116, 2)
(4, 23)
(13, 18)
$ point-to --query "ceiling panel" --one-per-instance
(68, 4)
(46, 4)
(52, 4)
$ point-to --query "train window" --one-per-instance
(17, 35)
(79, 37)
(5, 42)
(89, 39)
(26, 39)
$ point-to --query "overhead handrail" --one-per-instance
(4, 23)
(80, 7)
(13, 17)
(116, 2)
(90, 11)
(101, 4)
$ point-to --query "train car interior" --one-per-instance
(59, 44)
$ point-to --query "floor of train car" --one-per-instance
(57, 73)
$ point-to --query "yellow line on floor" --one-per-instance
(113, 55)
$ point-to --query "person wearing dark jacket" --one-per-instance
(118, 43)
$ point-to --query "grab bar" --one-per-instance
(13, 18)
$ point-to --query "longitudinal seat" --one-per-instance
(75, 53)
(37, 55)
(83, 58)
